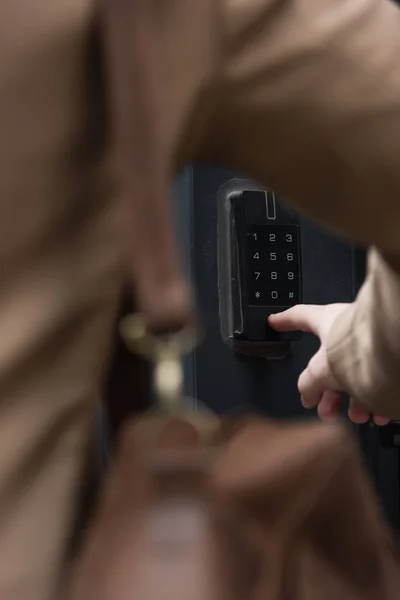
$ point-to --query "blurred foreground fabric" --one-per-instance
(278, 511)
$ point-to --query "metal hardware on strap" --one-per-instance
(166, 352)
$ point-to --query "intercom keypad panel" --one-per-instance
(268, 235)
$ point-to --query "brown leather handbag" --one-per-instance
(198, 508)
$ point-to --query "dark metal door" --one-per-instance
(332, 272)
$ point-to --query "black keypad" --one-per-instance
(272, 264)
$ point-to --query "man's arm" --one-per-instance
(363, 346)
(309, 103)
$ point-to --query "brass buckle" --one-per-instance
(166, 352)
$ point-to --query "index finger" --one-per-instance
(303, 317)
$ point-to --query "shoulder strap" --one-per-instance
(142, 161)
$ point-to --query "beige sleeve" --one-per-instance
(308, 102)
(364, 344)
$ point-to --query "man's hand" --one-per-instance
(317, 384)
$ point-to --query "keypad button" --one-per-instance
(258, 297)
(290, 295)
(275, 295)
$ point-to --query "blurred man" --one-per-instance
(301, 94)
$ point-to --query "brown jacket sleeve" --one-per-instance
(306, 99)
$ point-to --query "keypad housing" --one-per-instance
(268, 240)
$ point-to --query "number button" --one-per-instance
(290, 275)
(289, 238)
(272, 237)
(289, 256)
(257, 274)
(274, 295)
(274, 275)
(272, 255)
